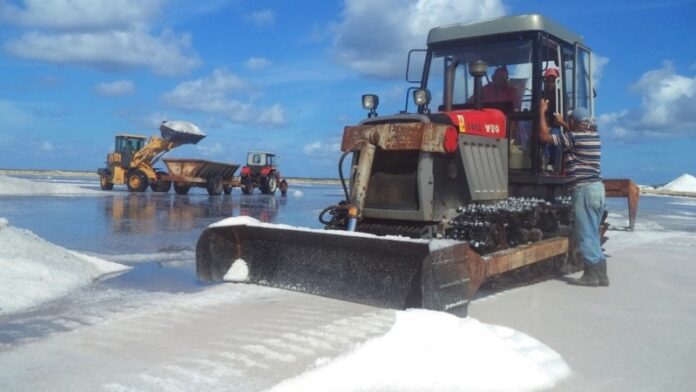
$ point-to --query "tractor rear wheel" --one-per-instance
(181, 189)
(137, 181)
(269, 184)
(214, 186)
(105, 184)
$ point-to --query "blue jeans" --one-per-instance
(588, 202)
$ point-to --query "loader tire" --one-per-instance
(214, 186)
(105, 184)
(160, 185)
(181, 189)
(269, 185)
(137, 181)
(247, 186)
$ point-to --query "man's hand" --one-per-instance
(543, 105)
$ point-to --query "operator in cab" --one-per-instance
(500, 90)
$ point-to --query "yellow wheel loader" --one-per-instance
(134, 156)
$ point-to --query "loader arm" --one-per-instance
(153, 151)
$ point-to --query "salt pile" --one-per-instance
(35, 271)
(20, 186)
(684, 183)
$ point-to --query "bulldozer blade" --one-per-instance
(391, 272)
(181, 132)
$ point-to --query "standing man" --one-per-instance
(552, 154)
(583, 148)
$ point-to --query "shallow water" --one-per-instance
(156, 234)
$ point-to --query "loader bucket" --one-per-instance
(181, 132)
(392, 272)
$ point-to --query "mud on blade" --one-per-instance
(380, 271)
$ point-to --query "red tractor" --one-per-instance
(261, 171)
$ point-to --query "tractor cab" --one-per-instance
(257, 160)
(511, 57)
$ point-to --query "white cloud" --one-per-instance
(272, 116)
(220, 94)
(145, 121)
(258, 63)
(211, 149)
(208, 94)
(262, 18)
(78, 14)
(115, 89)
(12, 115)
(667, 97)
(667, 106)
(46, 146)
(375, 36)
(167, 54)
(322, 149)
(104, 34)
(598, 64)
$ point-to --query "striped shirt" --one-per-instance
(582, 153)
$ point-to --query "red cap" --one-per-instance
(551, 71)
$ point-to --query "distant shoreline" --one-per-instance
(76, 173)
(306, 180)
(664, 192)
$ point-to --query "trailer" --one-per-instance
(216, 177)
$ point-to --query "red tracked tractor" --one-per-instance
(441, 197)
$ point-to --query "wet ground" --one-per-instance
(139, 313)
(157, 233)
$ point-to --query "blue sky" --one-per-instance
(287, 76)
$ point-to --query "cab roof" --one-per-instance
(504, 25)
(131, 136)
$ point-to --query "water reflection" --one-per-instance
(261, 207)
(150, 213)
(155, 213)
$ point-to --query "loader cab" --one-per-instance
(129, 143)
(124, 150)
(525, 46)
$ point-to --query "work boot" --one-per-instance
(602, 276)
(589, 277)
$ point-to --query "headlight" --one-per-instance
(421, 97)
(370, 102)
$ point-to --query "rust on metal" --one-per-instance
(483, 267)
(362, 176)
(410, 136)
(198, 171)
(628, 189)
